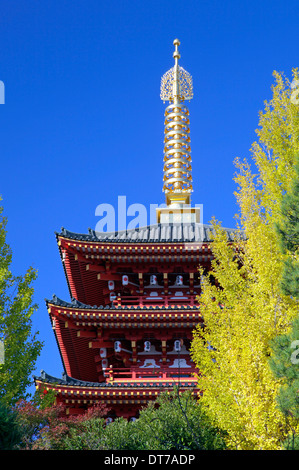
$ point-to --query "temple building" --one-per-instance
(125, 335)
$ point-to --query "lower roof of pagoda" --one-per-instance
(130, 395)
(78, 393)
(71, 382)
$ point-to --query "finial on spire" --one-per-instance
(176, 53)
(177, 82)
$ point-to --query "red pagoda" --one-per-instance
(125, 335)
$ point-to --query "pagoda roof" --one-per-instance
(140, 383)
(75, 304)
(157, 233)
(75, 327)
(130, 395)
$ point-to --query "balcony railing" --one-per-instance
(127, 374)
(159, 300)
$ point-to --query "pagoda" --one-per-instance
(125, 335)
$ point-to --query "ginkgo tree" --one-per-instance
(242, 304)
(20, 345)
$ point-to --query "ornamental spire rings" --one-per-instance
(176, 87)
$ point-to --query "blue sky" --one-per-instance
(82, 121)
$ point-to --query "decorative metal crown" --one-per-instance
(185, 84)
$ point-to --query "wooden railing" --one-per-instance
(125, 374)
(161, 300)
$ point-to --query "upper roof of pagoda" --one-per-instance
(89, 258)
(157, 233)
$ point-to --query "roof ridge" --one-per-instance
(67, 380)
(152, 233)
(76, 304)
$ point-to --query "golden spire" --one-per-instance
(176, 87)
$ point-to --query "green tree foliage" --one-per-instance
(285, 366)
(174, 422)
(10, 430)
(21, 347)
(242, 304)
(288, 231)
(285, 361)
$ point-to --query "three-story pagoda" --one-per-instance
(125, 335)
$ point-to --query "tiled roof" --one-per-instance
(186, 233)
(76, 304)
(66, 380)
(69, 381)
